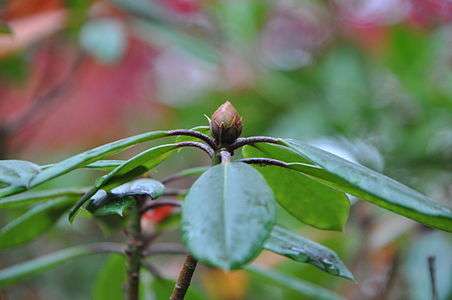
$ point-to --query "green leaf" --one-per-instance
(34, 222)
(118, 207)
(143, 186)
(27, 269)
(306, 199)
(374, 187)
(231, 209)
(303, 287)
(110, 279)
(105, 39)
(289, 244)
(107, 164)
(17, 172)
(130, 169)
(27, 198)
(83, 159)
(4, 28)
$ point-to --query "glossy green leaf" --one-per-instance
(373, 187)
(305, 288)
(83, 159)
(34, 222)
(107, 164)
(143, 186)
(231, 209)
(29, 268)
(306, 199)
(284, 242)
(27, 198)
(117, 207)
(130, 169)
(110, 280)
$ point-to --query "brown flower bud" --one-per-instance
(226, 124)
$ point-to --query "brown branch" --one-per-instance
(158, 203)
(432, 270)
(184, 279)
(187, 132)
(165, 248)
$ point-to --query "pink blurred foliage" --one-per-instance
(96, 106)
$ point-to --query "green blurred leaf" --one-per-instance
(162, 289)
(372, 186)
(14, 68)
(196, 171)
(231, 209)
(27, 198)
(305, 198)
(85, 158)
(34, 222)
(104, 39)
(17, 172)
(287, 243)
(415, 267)
(29, 268)
(110, 279)
(303, 287)
(4, 28)
(164, 36)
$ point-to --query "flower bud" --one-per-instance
(226, 124)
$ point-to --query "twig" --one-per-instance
(152, 269)
(184, 279)
(432, 270)
(165, 248)
(158, 203)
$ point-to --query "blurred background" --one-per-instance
(370, 81)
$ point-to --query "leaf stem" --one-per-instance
(184, 279)
(240, 142)
(265, 161)
(206, 148)
(157, 203)
(187, 132)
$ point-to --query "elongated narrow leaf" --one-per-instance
(305, 288)
(227, 215)
(27, 269)
(81, 160)
(106, 164)
(284, 242)
(33, 223)
(130, 169)
(17, 172)
(306, 199)
(374, 187)
(110, 279)
(27, 198)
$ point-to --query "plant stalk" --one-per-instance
(184, 279)
(135, 247)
